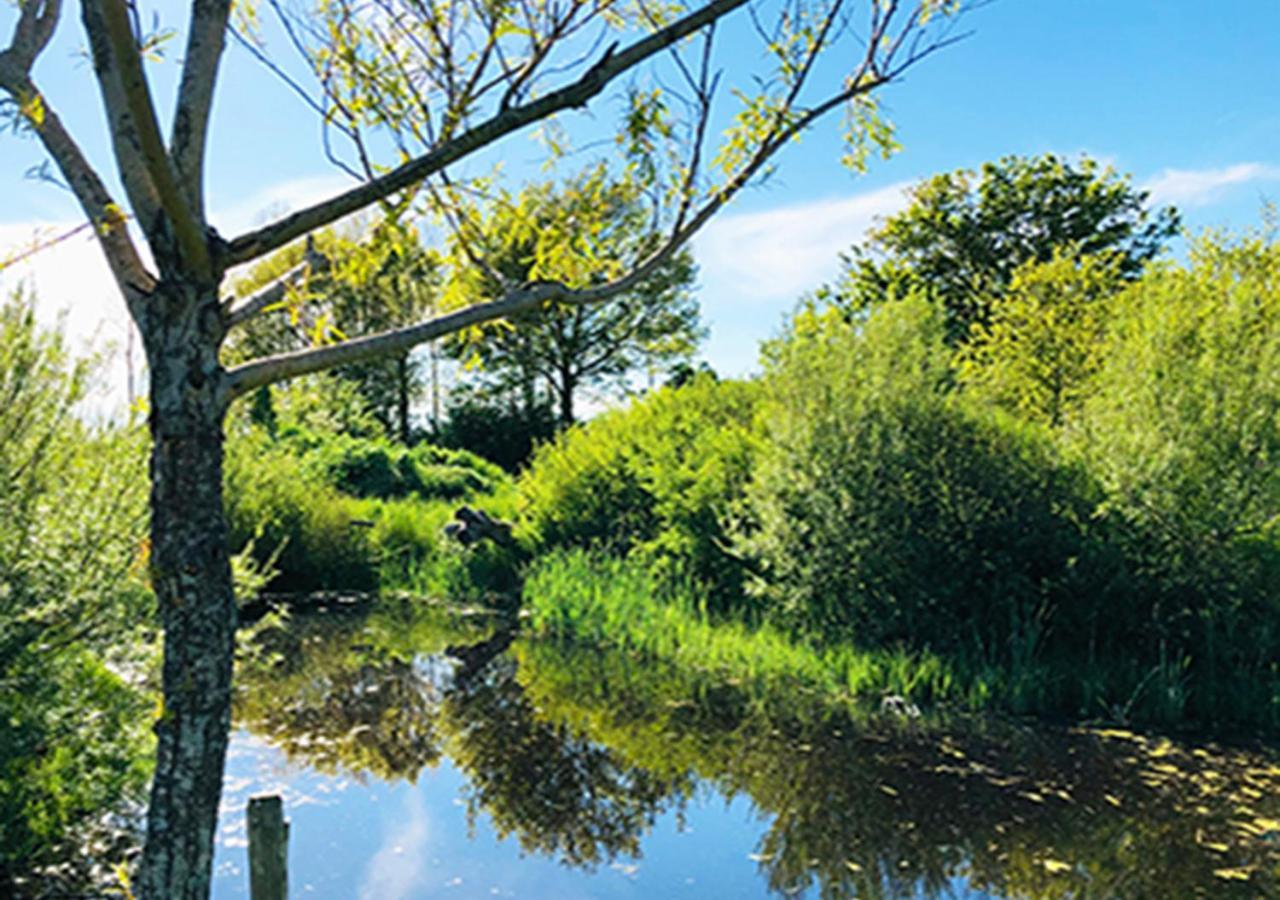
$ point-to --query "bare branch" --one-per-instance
(205, 44)
(32, 34)
(35, 28)
(127, 65)
(124, 140)
(577, 94)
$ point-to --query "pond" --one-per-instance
(423, 754)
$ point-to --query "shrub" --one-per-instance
(337, 512)
(288, 511)
(886, 509)
(1183, 429)
(495, 428)
(73, 735)
(657, 481)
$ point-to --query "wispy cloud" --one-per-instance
(234, 214)
(783, 252)
(397, 870)
(1200, 187)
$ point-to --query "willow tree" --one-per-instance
(430, 83)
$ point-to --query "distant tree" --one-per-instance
(1044, 337)
(498, 424)
(966, 233)
(652, 327)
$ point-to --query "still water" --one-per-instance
(427, 755)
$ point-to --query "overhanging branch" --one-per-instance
(32, 34)
(236, 313)
(579, 93)
(871, 74)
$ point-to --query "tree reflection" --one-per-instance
(861, 806)
(576, 752)
(344, 692)
(325, 695)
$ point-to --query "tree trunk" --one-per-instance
(564, 390)
(402, 398)
(191, 576)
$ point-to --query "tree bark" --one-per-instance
(566, 384)
(191, 576)
(402, 399)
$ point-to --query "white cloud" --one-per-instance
(1200, 187)
(235, 214)
(398, 869)
(73, 286)
(781, 253)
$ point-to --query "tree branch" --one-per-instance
(868, 77)
(188, 230)
(32, 35)
(187, 145)
(578, 94)
(237, 313)
(124, 140)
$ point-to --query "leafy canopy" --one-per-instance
(965, 234)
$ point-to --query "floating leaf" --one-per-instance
(1239, 874)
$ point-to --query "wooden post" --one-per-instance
(268, 848)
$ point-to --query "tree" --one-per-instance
(438, 84)
(572, 347)
(965, 233)
(381, 277)
(1043, 340)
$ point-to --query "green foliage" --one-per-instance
(75, 747)
(290, 513)
(378, 278)
(1043, 341)
(328, 512)
(1183, 429)
(966, 233)
(73, 735)
(573, 594)
(578, 233)
(380, 469)
(497, 427)
(887, 509)
(657, 481)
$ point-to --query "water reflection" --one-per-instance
(577, 752)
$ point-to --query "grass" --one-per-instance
(584, 597)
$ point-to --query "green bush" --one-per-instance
(495, 428)
(289, 512)
(74, 738)
(657, 481)
(1183, 430)
(888, 510)
(376, 467)
(332, 512)
(75, 748)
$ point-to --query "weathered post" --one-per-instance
(268, 848)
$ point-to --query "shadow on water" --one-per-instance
(576, 752)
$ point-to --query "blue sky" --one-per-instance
(1183, 95)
